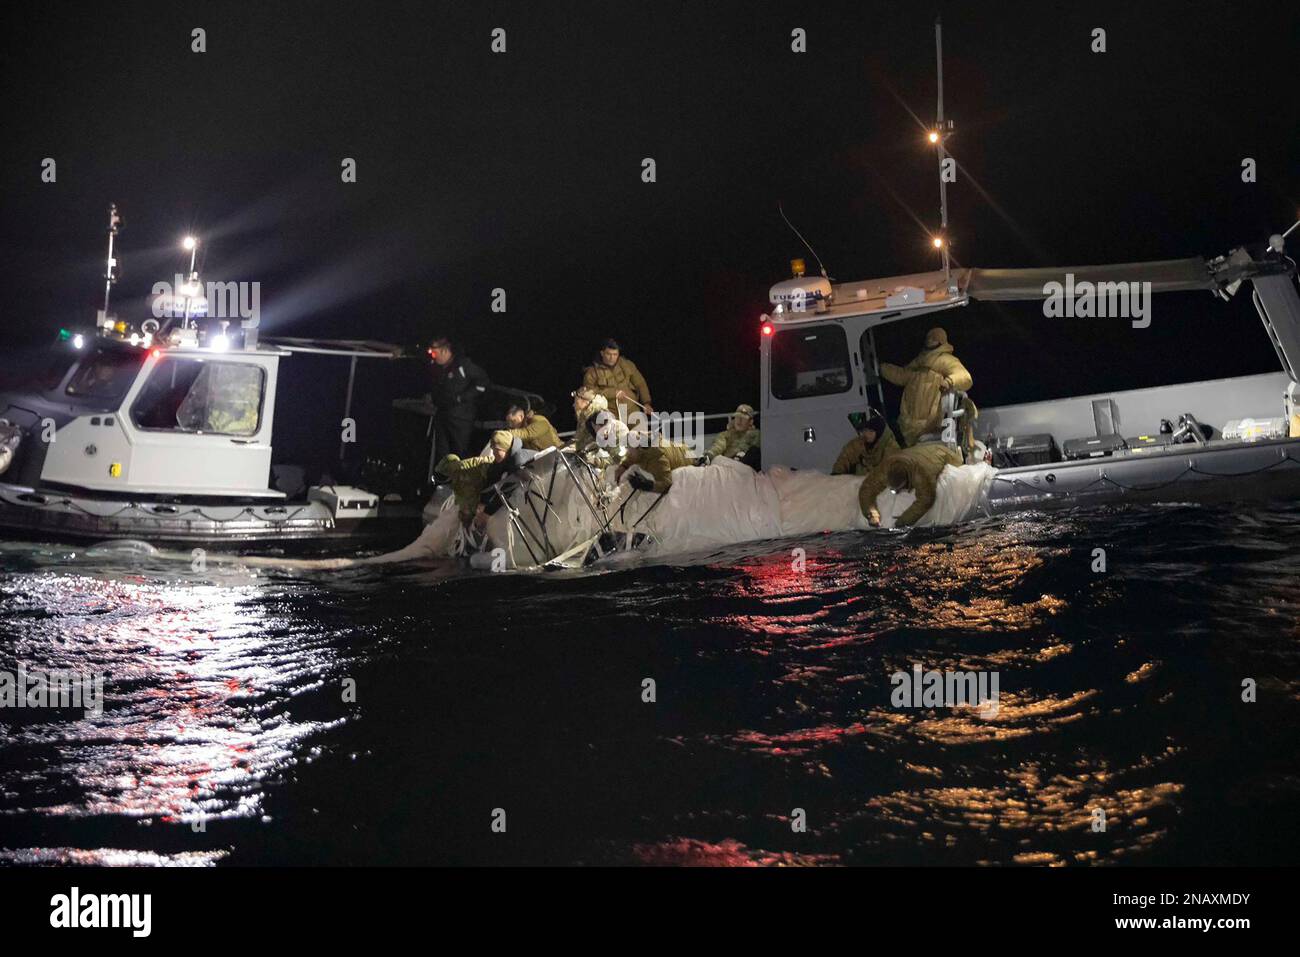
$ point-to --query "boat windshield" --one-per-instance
(107, 373)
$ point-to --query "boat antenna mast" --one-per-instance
(110, 273)
(192, 288)
(937, 137)
(780, 209)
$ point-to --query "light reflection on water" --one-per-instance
(1119, 700)
(199, 682)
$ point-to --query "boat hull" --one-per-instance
(1219, 472)
(29, 513)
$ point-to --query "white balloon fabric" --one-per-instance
(552, 517)
(726, 503)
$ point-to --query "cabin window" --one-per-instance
(107, 374)
(808, 362)
(199, 396)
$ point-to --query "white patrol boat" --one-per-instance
(162, 431)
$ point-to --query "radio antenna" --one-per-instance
(812, 252)
(110, 274)
(940, 133)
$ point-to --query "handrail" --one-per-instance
(518, 393)
(354, 348)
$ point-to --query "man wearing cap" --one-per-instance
(532, 428)
(875, 441)
(652, 466)
(617, 378)
(473, 480)
(587, 404)
(468, 478)
(508, 455)
(915, 469)
(458, 382)
(739, 439)
(925, 379)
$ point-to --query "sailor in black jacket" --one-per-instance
(458, 382)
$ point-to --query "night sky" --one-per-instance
(523, 171)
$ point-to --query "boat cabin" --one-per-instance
(820, 363)
(182, 414)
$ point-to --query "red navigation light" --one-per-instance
(767, 328)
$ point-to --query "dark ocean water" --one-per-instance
(1119, 691)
